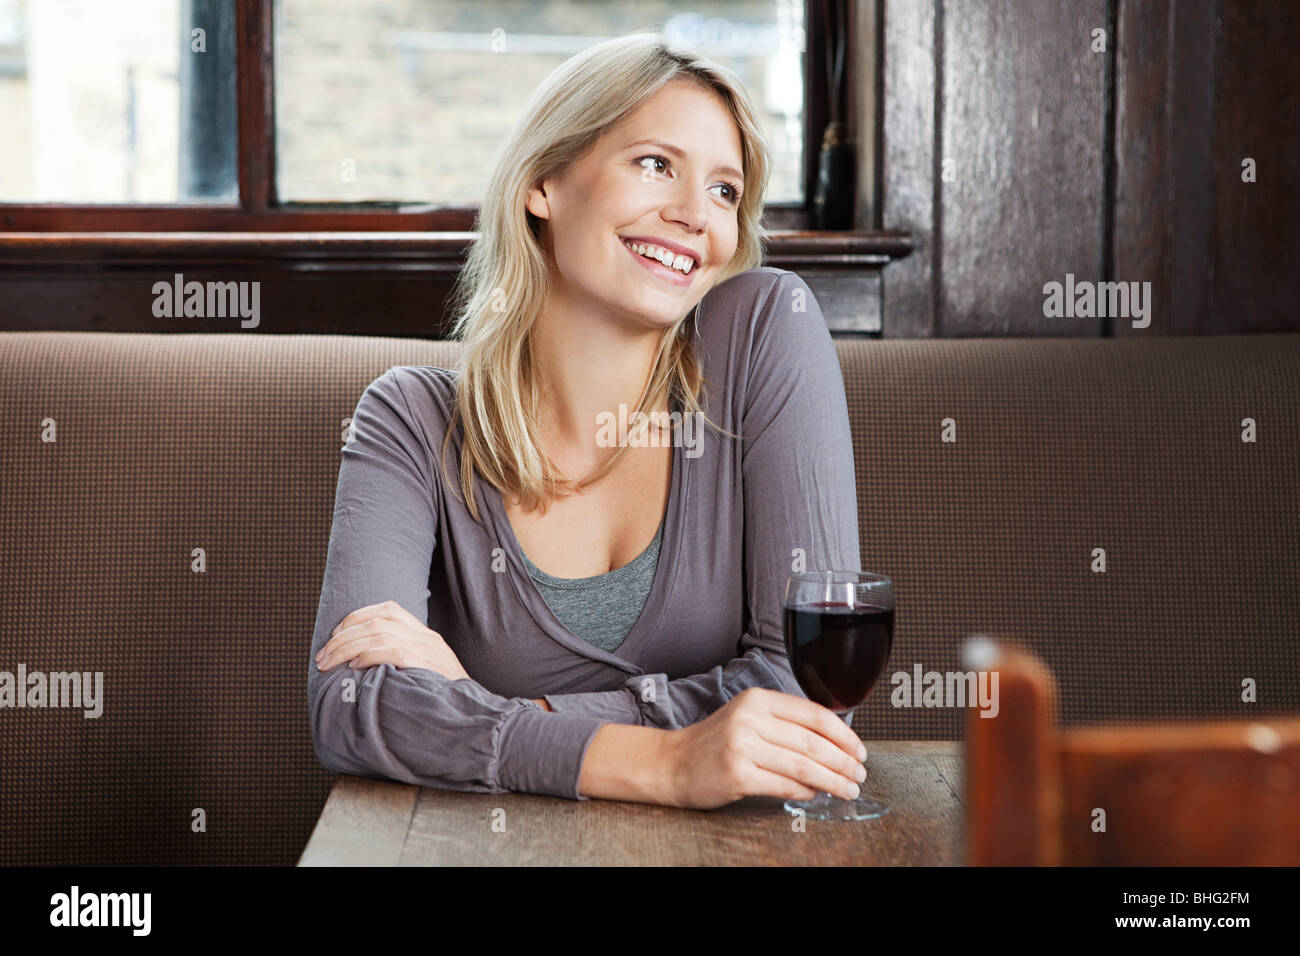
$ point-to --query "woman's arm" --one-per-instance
(414, 724)
(799, 497)
(629, 763)
(758, 743)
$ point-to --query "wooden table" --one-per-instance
(379, 823)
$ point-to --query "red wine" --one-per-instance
(837, 652)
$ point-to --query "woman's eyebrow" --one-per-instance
(670, 148)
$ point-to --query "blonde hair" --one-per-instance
(503, 286)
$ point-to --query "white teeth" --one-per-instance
(682, 263)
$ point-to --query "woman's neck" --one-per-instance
(587, 366)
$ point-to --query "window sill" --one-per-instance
(343, 252)
(375, 283)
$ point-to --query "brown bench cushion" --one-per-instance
(230, 443)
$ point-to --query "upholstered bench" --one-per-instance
(1128, 509)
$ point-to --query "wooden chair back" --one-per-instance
(1220, 793)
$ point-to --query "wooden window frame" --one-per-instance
(259, 210)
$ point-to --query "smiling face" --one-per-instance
(668, 177)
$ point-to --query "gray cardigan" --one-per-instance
(740, 517)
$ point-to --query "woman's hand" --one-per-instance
(764, 743)
(386, 633)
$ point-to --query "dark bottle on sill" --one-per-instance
(833, 200)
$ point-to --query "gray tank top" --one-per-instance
(601, 609)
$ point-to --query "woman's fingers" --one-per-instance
(345, 648)
(346, 633)
(370, 651)
(344, 652)
(359, 622)
(363, 614)
(817, 718)
(803, 769)
(378, 654)
(807, 743)
(777, 785)
(384, 610)
(388, 616)
(385, 641)
(337, 646)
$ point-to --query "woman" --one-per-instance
(519, 595)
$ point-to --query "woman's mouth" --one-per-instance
(657, 268)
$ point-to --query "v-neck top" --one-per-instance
(600, 609)
(742, 514)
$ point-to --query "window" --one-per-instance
(118, 101)
(397, 100)
(323, 115)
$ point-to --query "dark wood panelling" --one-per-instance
(1022, 124)
(28, 253)
(143, 217)
(850, 302)
(1256, 232)
(256, 92)
(1200, 86)
(1116, 166)
(1192, 60)
(1165, 155)
(411, 305)
(864, 108)
(364, 284)
(299, 217)
(1143, 231)
(816, 112)
(907, 163)
(1123, 165)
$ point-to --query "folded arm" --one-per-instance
(413, 724)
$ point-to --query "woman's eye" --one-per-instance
(733, 194)
(656, 159)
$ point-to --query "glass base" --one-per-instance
(824, 806)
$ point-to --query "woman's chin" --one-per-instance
(653, 315)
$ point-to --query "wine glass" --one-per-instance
(839, 628)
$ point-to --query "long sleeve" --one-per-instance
(799, 496)
(412, 724)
